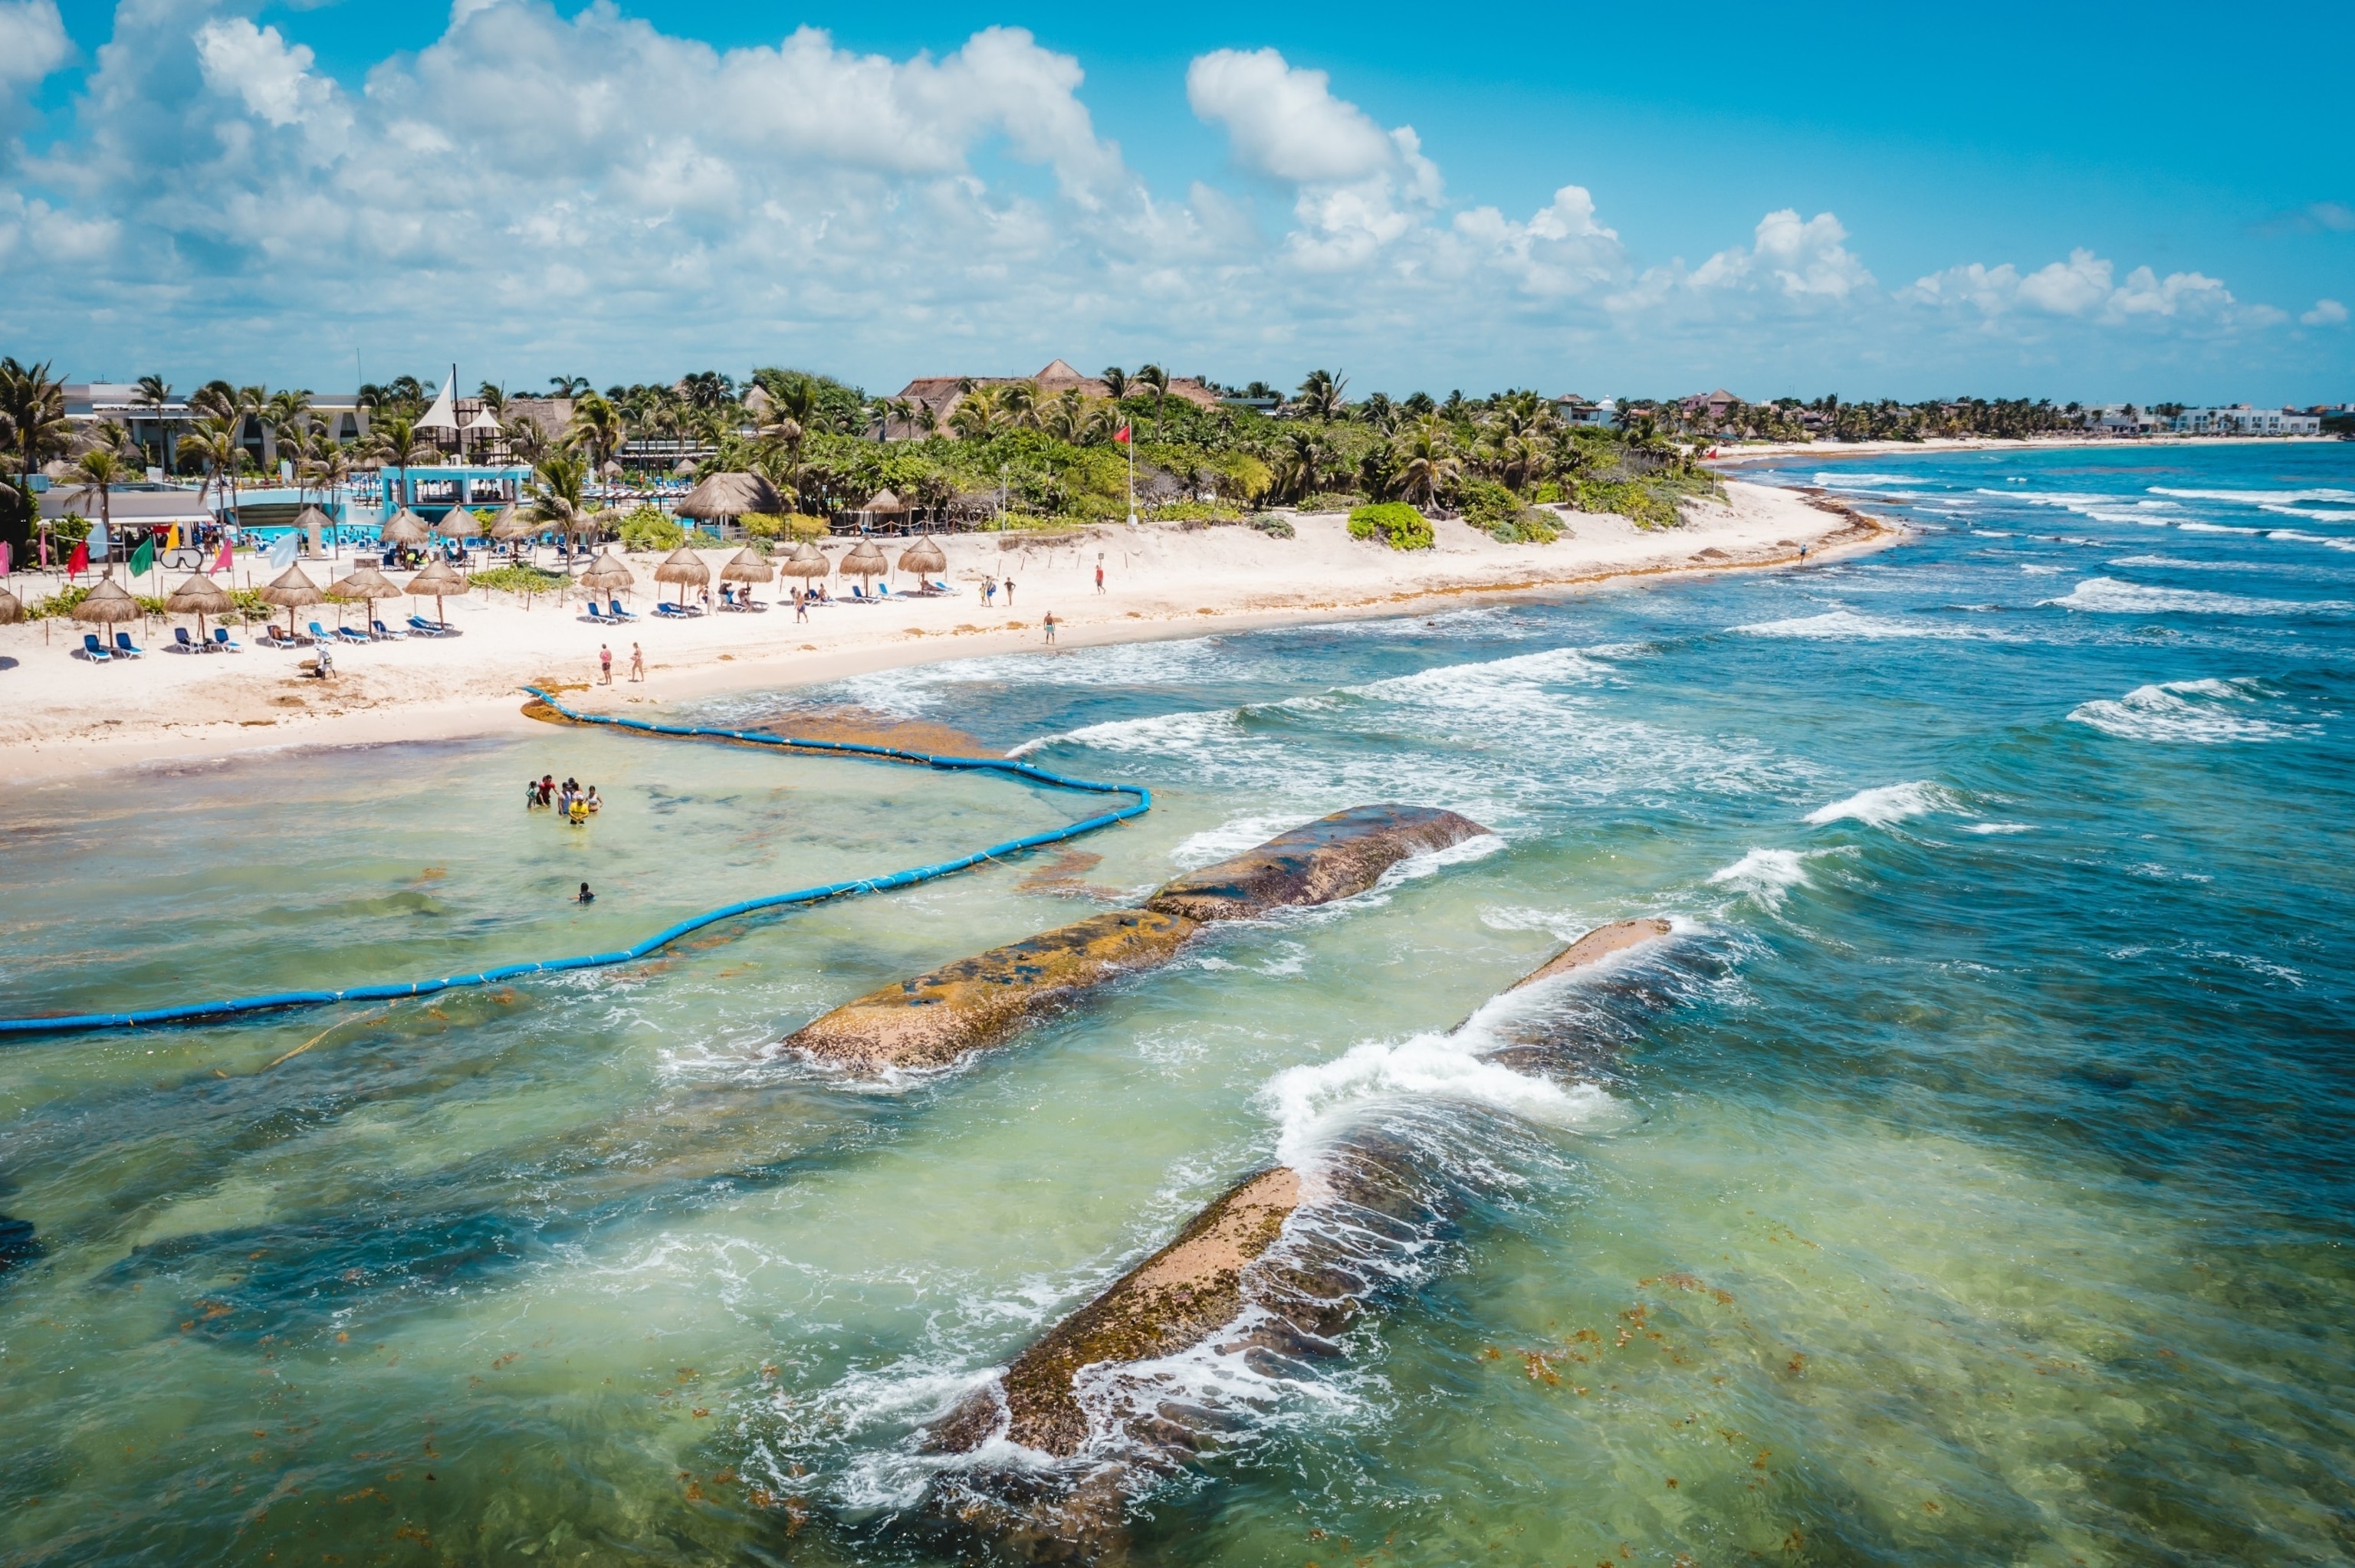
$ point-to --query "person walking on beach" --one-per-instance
(801, 607)
(989, 592)
(1009, 593)
(637, 663)
(1050, 628)
(604, 666)
(1098, 577)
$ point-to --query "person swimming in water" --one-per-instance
(585, 897)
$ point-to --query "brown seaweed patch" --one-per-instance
(975, 1002)
(1170, 1302)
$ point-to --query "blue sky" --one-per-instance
(1606, 200)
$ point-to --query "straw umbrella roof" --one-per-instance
(747, 567)
(685, 566)
(924, 556)
(608, 572)
(731, 495)
(365, 582)
(884, 501)
(200, 595)
(406, 527)
(511, 525)
(311, 517)
(438, 578)
(866, 561)
(107, 602)
(11, 607)
(806, 561)
(457, 523)
(293, 588)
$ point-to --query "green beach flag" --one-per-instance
(143, 559)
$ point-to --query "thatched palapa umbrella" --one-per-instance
(864, 562)
(805, 562)
(458, 523)
(884, 501)
(290, 589)
(200, 596)
(438, 578)
(364, 583)
(106, 604)
(511, 525)
(923, 556)
(726, 495)
(12, 608)
(311, 521)
(684, 567)
(747, 567)
(404, 528)
(608, 573)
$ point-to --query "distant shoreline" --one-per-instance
(65, 718)
(1776, 451)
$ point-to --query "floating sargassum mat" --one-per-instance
(935, 1018)
(1223, 1278)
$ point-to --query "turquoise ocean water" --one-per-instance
(1969, 1181)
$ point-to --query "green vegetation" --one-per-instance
(1274, 527)
(651, 528)
(1394, 522)
(519, 580)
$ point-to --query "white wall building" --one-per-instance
(2239, 419)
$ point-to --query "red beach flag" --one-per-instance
(1121, 435)
(79, 562)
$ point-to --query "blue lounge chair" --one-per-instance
(221, 644)
(320, 634)
(123, 648)
(671, 612)
(614, 607)
(184, 644)
(595, 614)
(423, 627)
(384, 632)
(94, 650)
(347, 634)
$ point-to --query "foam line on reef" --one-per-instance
(549, 705)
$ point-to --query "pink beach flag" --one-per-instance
(222, 565)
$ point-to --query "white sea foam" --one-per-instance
(2115, 596)
(2176, 563)
(1504, 687)
(2188, 711)
(2100, 508)
(1766, 874)
(1313, 1102)
(2297, 536)
(920, 688)
(1848, 626)
(2218, 528)
(1158, 733)
(1876, 808)
(1831, 477)
(2256, 497)
(2034, 571)
(2000, 827)
(1214, 844)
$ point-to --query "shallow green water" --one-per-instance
(1969, 1183)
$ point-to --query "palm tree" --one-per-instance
(568, 385)
(101, 468)
(34, 408)
(212, 443)
(1065, 417)
(598, 428)
(153, 394)
(1300, 463)
(977, 414)
(523, 437)
(1019, 402)
(1156, 380)
(1427, 461)
(556, 497)
(1116, 382)
(395, 443)
(494, 398)
(1320, 395)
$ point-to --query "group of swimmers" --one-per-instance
(571, 802)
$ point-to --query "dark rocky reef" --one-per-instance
(977, 1002)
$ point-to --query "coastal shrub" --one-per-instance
(701, 539)
(1631, 499)
(1330, 500)
(1548, 495)
(1195, 511)
(1530, 525)
(763, 526)
(1394, 522)
(1274, 527)
(61, 602)
(519, 580)
(648, 528)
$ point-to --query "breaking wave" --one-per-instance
(2115, 596)
(2196, 712)
(1878, 808)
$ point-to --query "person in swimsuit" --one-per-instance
(585, 897)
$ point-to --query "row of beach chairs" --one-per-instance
(615, 614)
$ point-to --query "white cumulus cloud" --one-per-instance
(2084, 288)
(2326, 312)
(1283, 121)
(1805, 259)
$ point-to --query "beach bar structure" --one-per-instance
(432, 489)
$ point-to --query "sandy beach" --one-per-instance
(1734, 455)
(62, 715)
